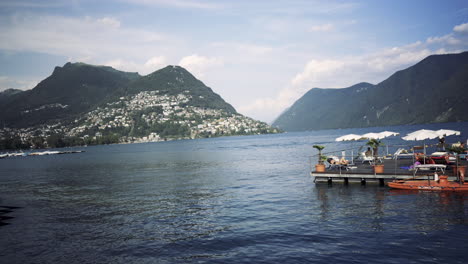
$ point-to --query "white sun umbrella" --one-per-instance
(388, 134)
(447, 132)
(421, 134)
(380, 135)
(349, 137)
(371, 135)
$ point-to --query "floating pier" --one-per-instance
(363, 173)
(40, 153)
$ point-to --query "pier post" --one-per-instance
(346, 181)
(363, 181)
(381, 182)
(330, 182)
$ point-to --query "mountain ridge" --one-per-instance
(83, 87)
(82, 104)
(432, 90)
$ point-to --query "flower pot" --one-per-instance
(320, 168)
(443, 179)
(379, 168)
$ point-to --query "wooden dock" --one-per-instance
(393, 169)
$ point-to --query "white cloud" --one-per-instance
(447, 39)
(151, 65)
(22, 83)
(120, 64)
(177, 3)
(94, 38)
(348, 70)
(31, 4)
(321, 28)
(112, 22)
(269, 108)
(156, 62)
(245, 49)
(316, 70)
(198, 65)
(462, 28)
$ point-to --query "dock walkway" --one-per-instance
(393, 169)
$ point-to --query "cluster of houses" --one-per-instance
(151, 107)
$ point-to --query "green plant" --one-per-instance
(375, 144)
(320, 156)
(459, 149)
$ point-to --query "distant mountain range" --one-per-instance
(432, 91)
(87, 104)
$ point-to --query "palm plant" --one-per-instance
(320, 157)
(375, 144)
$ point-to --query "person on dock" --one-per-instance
(441, 145)
(344, 161)
(368, 152)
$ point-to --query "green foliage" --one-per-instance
(375, 144)
(55, 141)
(320, 156)
(174, 80)
(38, 142)
(318, 147)
(12, 142)
(457, 149)
(107, 139)
(81, 87)
(64, 99)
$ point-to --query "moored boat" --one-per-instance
(443, 184)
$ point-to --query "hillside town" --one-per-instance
(148, 116)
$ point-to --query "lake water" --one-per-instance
(225, 200)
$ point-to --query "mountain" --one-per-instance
(7, 94)
(71, 90)
(87, 104)
(173, 80)
(77, 88)
(432, 91)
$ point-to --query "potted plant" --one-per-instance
(459, 169)
(375, 144)
(320, 167)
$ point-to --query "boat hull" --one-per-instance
(428, 185)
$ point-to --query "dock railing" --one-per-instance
(357, 162)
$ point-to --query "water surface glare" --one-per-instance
(226, 200)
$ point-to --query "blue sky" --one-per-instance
(260, 56)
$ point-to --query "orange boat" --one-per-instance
(430, 185)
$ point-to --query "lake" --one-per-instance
(244, 199)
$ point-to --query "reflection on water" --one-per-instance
(226, 200)
(374, 208)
